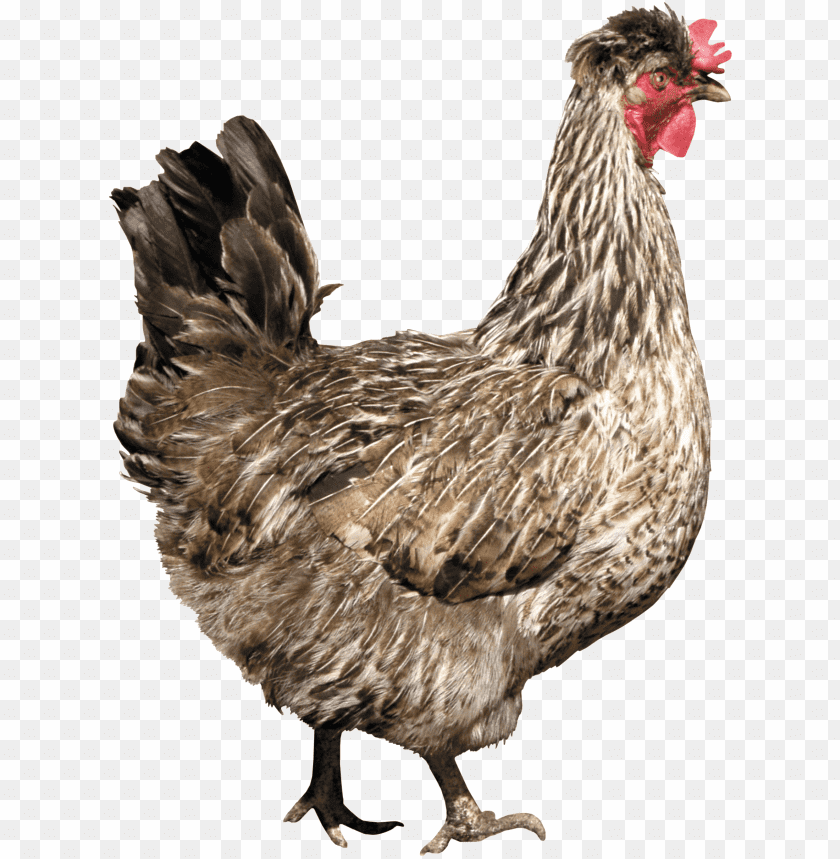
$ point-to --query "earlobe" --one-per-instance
(635, 96)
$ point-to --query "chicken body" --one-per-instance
(396, 536)
(600, 478)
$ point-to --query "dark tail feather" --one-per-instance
(270, 239)
(202, 193)
(253, 160)
(222, 259)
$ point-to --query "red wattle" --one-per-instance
(677, 135)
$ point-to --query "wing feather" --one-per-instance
(472, 481)
(486, 498)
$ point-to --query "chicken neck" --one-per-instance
(599, 290)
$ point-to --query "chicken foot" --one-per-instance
(326, 796)
(465, 821)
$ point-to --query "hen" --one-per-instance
(395, 536)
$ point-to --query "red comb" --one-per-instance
(704, 53)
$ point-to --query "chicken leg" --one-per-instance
(326, 796)
(465, 821)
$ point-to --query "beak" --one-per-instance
(709, 89)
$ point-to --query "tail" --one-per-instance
(222, 259)
(223, 268)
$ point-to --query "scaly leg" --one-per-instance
(465, 821)
(326, 796)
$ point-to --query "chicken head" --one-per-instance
(660, 112)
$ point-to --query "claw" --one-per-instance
(298, 810)
(483, 827)
(465, 821)
(333, 813)
(335, 835)
(326, 796)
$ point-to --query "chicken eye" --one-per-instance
(659, 80)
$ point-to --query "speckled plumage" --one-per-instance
(397, 535)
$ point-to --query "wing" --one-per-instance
(482, 487)
(460, 476)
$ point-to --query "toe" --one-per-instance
(335, 835)
(483, 826)
(371, 827)
(297, 811)
(333, 813)
(366, 827)
(521, 821)
(438, 843)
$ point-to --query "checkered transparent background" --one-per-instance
(416, 137)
